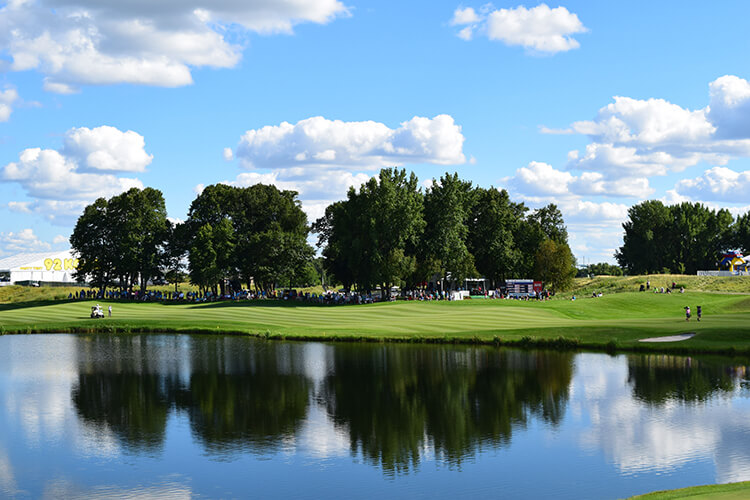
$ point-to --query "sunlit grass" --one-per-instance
(611, 321)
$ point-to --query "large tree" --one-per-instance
(448, 207)
(494, 222)
(646, 246)
(371, 236)
(259, 233)
(554, 265)
(93, 244)
(122, 238)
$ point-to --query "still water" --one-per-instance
(166, 416)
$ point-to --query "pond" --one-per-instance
(222, 416)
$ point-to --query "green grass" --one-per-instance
(732, 491)
(618, 284)
(614, 321)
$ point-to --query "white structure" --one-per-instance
(46, 267)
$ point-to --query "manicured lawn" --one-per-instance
(613, 320)
(733, 491)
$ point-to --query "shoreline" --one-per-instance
(615, 323)
(559, 343)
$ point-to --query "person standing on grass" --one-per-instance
(687, 313)
(699, 312)
(110, 311)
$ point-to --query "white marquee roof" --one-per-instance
(23, 259)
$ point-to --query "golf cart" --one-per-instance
(96, 312)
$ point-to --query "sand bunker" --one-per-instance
(671, 338)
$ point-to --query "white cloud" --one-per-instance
(717, 184)
(540, 29)
(729, 107)
(632, 137)
(21, 207)
(76, 42)
(541, 179)
(24, 241)
(46, 174)
(464, 16)
(556, 131)
(650, 122)
(318, 141)
(62, 183)
(7, 98)
(107, 149)
(60, 240)
(228, 154)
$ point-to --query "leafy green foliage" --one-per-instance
(555, 265)
(680, 238)
(256, 234)
(122, 239)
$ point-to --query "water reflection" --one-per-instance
(396, 400)
(695, 412)
(274, 409)
(254, 401)
(658, 379)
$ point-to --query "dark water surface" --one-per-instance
(166, 416)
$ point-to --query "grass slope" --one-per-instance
(617, 320)
(733, 491)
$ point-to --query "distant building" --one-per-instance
(45, 268)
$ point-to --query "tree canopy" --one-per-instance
(122, 240)
(682, 238)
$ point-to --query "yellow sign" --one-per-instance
(60, 264)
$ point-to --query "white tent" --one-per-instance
(47, 267)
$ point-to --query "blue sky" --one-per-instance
(594, 106)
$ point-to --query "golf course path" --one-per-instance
(670, 338)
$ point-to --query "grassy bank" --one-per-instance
(733, 491)
(614, 321)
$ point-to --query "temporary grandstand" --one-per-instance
(46, 268)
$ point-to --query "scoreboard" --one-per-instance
(522, 287)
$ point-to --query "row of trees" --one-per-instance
(241, 234)
(123, 240)
(389, 232)
(682, 238)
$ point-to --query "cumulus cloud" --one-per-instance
(632, 137)
(717, 184)
(589, 222)
(729, 107)
(62, 183)
(318, 141)
(7, 98)
(540, 29)
(46, 174)
(107, 149)
(24, 241)
(541, 179)
(75, 42)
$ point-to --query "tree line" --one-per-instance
(680, 239)
(389, 232)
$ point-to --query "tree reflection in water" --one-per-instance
(660, 378)
(396, 400)
(396, 403)
(246, 402)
